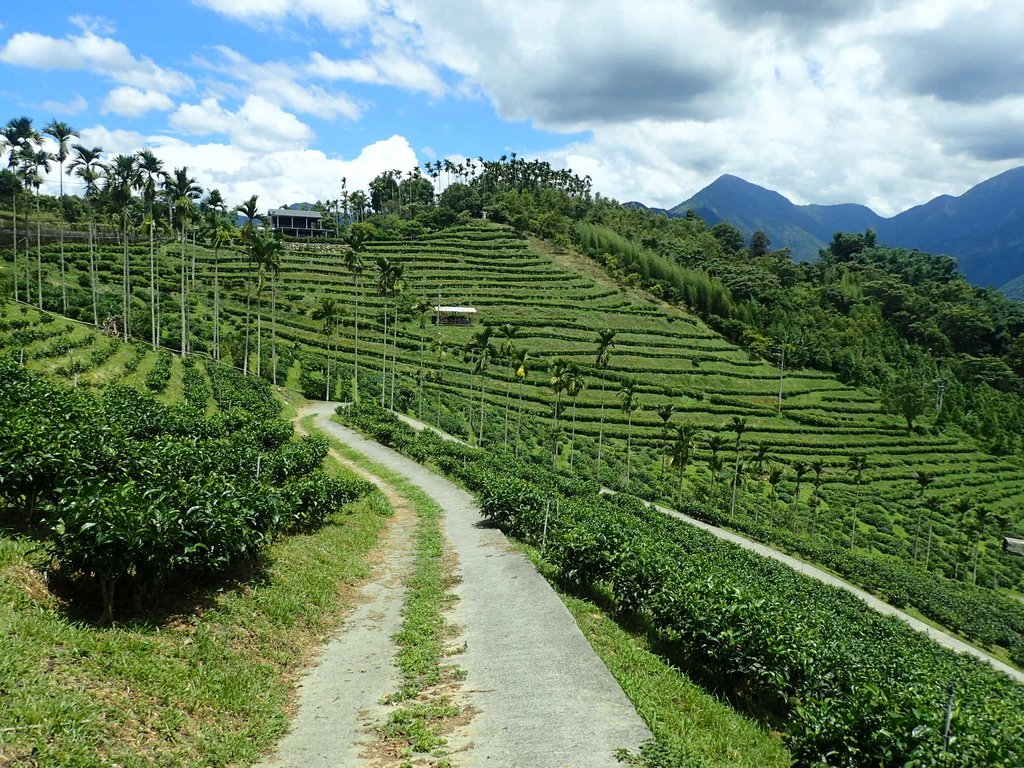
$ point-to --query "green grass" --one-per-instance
(210, 683)
(424, 709)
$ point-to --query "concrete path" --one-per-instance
(340, 699)
(939, 636)
(543, 697)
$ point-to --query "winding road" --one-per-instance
(542, 697)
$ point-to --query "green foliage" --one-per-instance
(847, 686)
(134, 491)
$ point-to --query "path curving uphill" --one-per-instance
(939, 636)
(542, 696)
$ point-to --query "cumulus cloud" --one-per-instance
(333, 14)
(95, 53)
(133, 102)
(278, 176)
(257, 126)
(835, 101)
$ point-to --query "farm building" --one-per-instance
(1013, 546)
(296, 223)
(453, 315)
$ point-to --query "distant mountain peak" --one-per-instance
(983, 228)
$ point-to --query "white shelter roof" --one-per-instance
(456, 310)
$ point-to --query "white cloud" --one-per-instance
(279, 175)
(132, 102)
(284, 85)
(71, 107)
(258, 125)
(675, 94)
(201, 119)
(333, 14)
(92, 52)
(381, 68)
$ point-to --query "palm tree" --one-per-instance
(182, 191)
(800, 469)
(665, 414)
(354, 263)
(605, 342)
(628, 401)
(422, 308)
(680, 451)
(962, 509)
(775, 478)
(330, 312)
(122, 179)
(924, 478)
(558, 375)
(933, 507)
(739, 426)
(818, 468)
(521, 362)
(18, 132)
(480, 352)
(250, 211)
(36, 162)
(151, 173)
(574, 385)
(215, 233)
(506, 351)
(62, 133)
(86, 165)
(22, 139)
(388, 276)
(265, 252)
(759, 457)
(439, 349)
(856, 465)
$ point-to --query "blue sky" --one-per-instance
(882, 102)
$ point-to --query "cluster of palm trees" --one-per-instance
(136, 195)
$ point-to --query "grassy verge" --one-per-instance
(692, 729)
(208, 685)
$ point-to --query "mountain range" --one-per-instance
(983, 228)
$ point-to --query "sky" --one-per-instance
(887, 103)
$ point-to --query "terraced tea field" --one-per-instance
(559, 307)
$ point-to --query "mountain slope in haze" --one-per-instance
(804, 229)
(982, 228)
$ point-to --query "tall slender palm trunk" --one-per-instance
(14, 245)
(126, 285)
(355, 390)
(184, 295)
(39, 255)
(600, 435)
(629, 446)
(519, 419)
(216, 302)
(273, 328)
(92, 268)
(384, 360)
(394, 354)
(154, 321)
